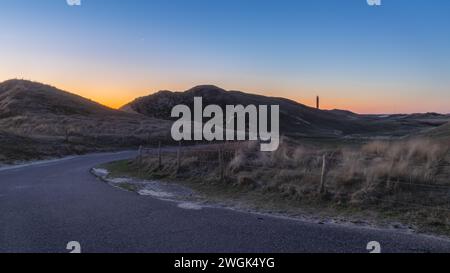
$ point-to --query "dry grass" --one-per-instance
(31, 138)
(50, 122)
(408, 179)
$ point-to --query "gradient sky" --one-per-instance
(389, 59)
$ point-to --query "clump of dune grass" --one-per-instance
(407, 178)
(372, 168)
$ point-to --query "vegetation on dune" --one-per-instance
(296, 119)
(42, 121)
(440, 132)
(404, 180)
(48, 122)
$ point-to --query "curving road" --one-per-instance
(44, 206)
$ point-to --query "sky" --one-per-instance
(393, 58)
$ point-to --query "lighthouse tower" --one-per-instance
(317, 102)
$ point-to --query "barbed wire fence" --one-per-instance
(220, 155)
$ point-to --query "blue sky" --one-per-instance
(388, 59)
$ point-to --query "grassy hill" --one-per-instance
(67, 123)
(296, 119)
(441, 131)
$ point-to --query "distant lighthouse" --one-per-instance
(317, 102)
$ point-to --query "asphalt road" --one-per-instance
(43, 207)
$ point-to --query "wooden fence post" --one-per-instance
(221, 164)
(140, 154)
(159, 155)
(66, 138)
(140, 160)
(179, 156)
(322, 188)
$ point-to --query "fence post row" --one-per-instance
(223, 154)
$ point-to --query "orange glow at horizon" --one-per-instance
(360, 106)
(117, 95)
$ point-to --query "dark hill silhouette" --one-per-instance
(18, 97)
(295, 118)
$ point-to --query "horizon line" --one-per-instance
(230, 90)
